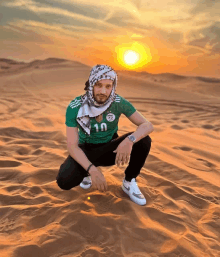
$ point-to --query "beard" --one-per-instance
(100, 99)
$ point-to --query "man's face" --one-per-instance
(102, 90)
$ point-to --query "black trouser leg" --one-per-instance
(71, 173)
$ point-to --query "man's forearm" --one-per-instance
(142, 131)
(78, 155)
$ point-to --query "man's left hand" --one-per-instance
(123, 152)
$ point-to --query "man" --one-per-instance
(96, 115)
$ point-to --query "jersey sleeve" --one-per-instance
(127, 108)
(71, 115)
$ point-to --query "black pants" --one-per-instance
(71, 173)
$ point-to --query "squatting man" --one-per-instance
(92, 138)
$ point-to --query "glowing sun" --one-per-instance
(131, 57)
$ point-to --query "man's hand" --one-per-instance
(98, 179)
(123, 152)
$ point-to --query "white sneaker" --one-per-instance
(132, 189)
(86, 183)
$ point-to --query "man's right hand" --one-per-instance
(98, 179)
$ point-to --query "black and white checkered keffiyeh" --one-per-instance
(89, 107)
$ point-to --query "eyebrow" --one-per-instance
(98, 83)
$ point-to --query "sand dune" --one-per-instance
(180, 179)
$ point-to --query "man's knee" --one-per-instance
(146, 141)
(67, 180)
(61, 181)
(62, 184)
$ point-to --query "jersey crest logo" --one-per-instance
(110, 117)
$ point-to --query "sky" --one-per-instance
(180, 37)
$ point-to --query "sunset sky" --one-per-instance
(181, 37)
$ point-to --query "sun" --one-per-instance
(131, 57)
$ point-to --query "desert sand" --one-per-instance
(180, 179)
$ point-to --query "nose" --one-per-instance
(103, 91)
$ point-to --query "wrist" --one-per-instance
(91, 169)
(129, 141)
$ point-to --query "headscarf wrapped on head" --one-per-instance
(89, 107)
